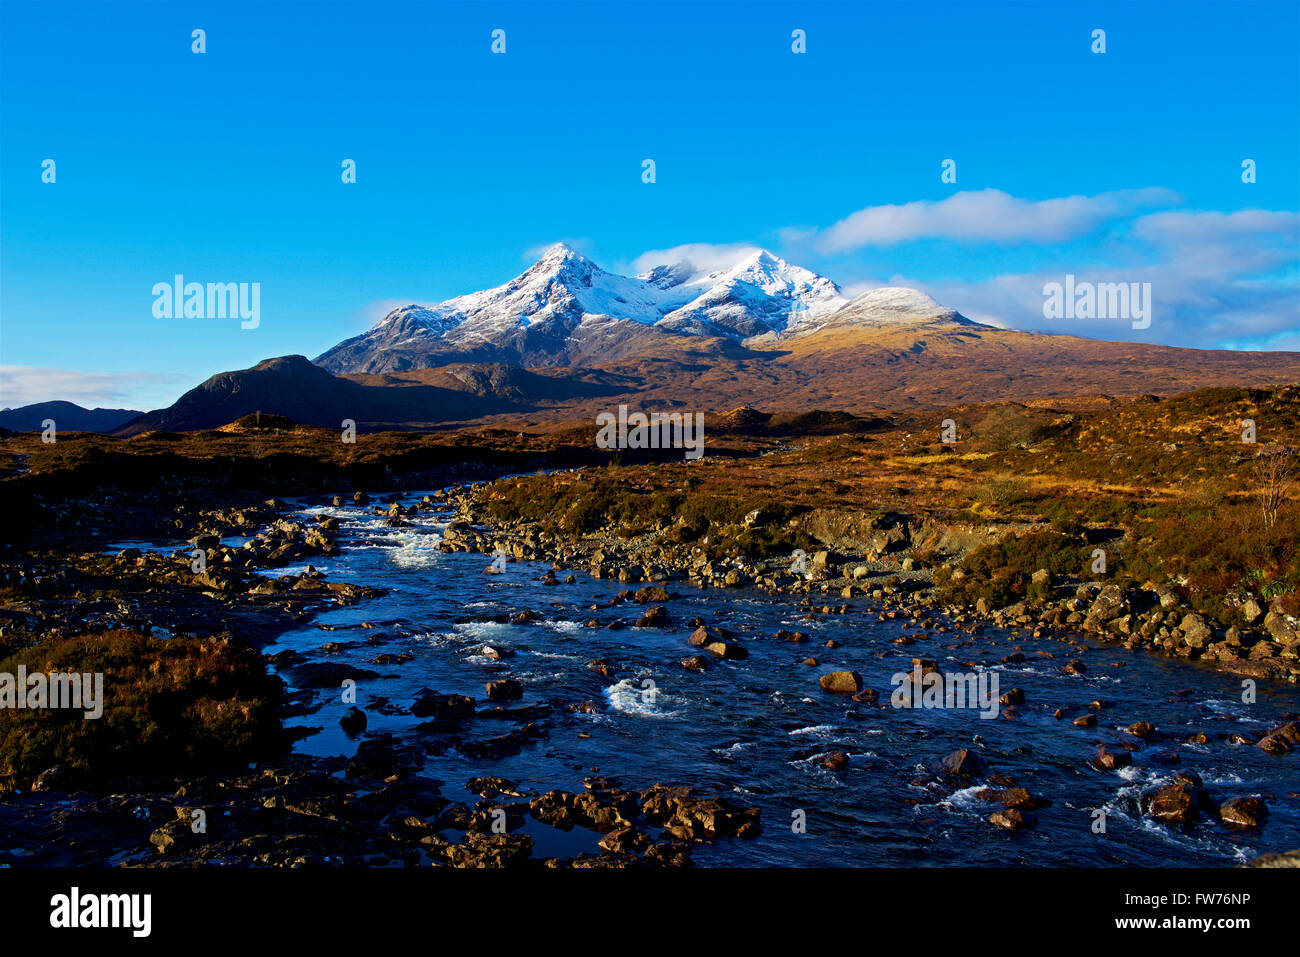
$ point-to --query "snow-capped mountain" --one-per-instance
(565, 309)
(888, 305)
(762, 293)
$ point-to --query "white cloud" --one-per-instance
(24, 385)
(1188, 307)
(703, 256)
(984, 216)
(372, 312)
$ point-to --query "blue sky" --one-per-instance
(225, 166)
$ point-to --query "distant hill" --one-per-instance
(808, 380)
(67, 416)
(292, 387)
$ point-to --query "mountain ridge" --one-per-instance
(67, 416)
(567, 310)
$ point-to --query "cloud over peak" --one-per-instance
(986, 216)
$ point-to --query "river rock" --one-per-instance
(353, 720)
(726, 649)
(1012, 819)
(506, 689)
(450, 706)
(1244, 812)
(1173, 804)
(1142, 729)
(964, 762)
(841, 682)
(1110, 759)
(1196, 633)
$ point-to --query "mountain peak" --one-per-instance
(564, 308)
(561, 254)
(561, 261)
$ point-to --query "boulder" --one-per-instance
(1110, 759)
(1244, 812)
(1012, 819)
(841, 682)
(431, 704)
(1172, 804)
(506, 689)
(964, 762)
(1196, 633)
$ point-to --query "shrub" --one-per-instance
(170, 708)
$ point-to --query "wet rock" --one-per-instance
(964, 762)
(431, 704)
(655, 617)
(1012, 697)
(1244, 812)
(506, 689)
(841, 682)
(1172, 804)
(491, 786)
(704, 635)
(695, 663)
(327, 674)
(491, 850)
(1274, 744)
(1020, 799)
(353, 720)
(1163, 756)
(1289, 732)
(175, 835)
(602, 667)
(1012, 819)
(626, 840)
(554, 808)
(726, 649)
(1110, 759)
(1142, 729)
(391, 659)
(834, 761)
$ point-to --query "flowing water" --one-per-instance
(754, 730)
